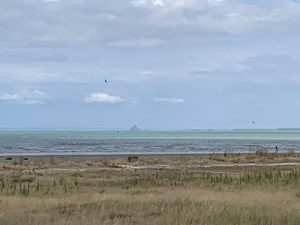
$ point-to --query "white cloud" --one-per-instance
(102, 98)
(170, 100)
(33, 94)
(148, 72)
(27, 97)
(9, 97)
(176, 4)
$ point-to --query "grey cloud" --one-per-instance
(219, 18)
(201, 72)
(105, 22)
(137, 43)
(261, 69)
(22, 55)
(272, 62)
(272, 69)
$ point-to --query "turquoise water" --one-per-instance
(145, 142)
(213, 135)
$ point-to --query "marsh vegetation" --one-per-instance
(152, 190)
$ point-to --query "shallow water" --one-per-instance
(146, 142)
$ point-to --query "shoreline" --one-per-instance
(82, 157)
(101, 156)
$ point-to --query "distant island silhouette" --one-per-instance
(135, 128)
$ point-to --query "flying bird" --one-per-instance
(105, 80)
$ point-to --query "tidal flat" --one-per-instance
(225, 189)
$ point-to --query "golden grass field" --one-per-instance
(248, 189)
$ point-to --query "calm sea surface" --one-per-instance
(146, 142)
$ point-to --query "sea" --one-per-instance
(145, 142)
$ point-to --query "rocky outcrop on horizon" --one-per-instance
(135, 128)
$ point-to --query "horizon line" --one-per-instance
(45, 129)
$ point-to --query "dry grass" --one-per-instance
(112, 195)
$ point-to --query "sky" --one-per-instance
(169, 64)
